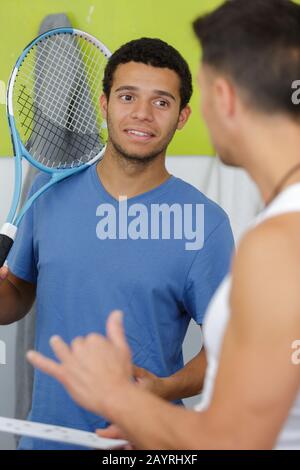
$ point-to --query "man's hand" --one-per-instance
(145, 380)
(92, 369)
(3, 273)
(114, 432)
(148, 381)
(16, 297)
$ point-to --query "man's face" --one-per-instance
(143, 110)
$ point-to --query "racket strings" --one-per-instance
(80, 82)
(56, 100)
(70, 148)
(67, 68)
(72, 65)
(54, 138)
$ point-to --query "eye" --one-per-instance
(161, 103)
(126, 98)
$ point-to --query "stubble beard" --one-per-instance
(137, 159)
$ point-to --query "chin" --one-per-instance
(138, 158)
(131, 153)
(228, 161)
(226, 157)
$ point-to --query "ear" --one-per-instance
(183, 117)
(225, 97)
(103, 105)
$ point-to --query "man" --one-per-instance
(101, 250)
(251, 398)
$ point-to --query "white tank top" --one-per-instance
(218, 314)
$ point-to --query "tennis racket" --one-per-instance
(53, 113)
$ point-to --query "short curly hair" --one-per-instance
(154, 52)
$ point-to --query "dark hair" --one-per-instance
(156, 53)
(257, 44)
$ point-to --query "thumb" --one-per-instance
(115, 331)
(112, 432)
(3, 273)
(137, 372)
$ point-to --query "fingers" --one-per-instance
(61, 349)
(3, 273)
(112, 432)
(137, 372)
(62, 352)
(44, 364)
(129, 447)
(115, 331)
(71, 357)
(48, 366)
(69, 374)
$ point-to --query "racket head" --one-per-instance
(53, 101)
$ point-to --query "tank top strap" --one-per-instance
(287, 201)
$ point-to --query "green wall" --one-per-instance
(113, 22)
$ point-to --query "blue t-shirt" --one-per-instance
(81, 277)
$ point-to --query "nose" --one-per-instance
(142, 111)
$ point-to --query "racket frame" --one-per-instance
(20, 150)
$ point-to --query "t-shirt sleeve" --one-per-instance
(208, 269)
(21, 259)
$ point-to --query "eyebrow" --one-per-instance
(134, 88)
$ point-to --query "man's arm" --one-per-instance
(16, 297)
(185, 383)
(256, 383)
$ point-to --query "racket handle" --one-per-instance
(7, 236)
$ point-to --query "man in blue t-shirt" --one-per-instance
(123, 234)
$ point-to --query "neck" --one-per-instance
(121, 177)
(270, 152)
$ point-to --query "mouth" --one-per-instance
(139, 134)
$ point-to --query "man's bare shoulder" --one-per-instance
(266, 270)
(276, 239)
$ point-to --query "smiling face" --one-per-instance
(143, 110)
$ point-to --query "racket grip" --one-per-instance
(7, 236)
